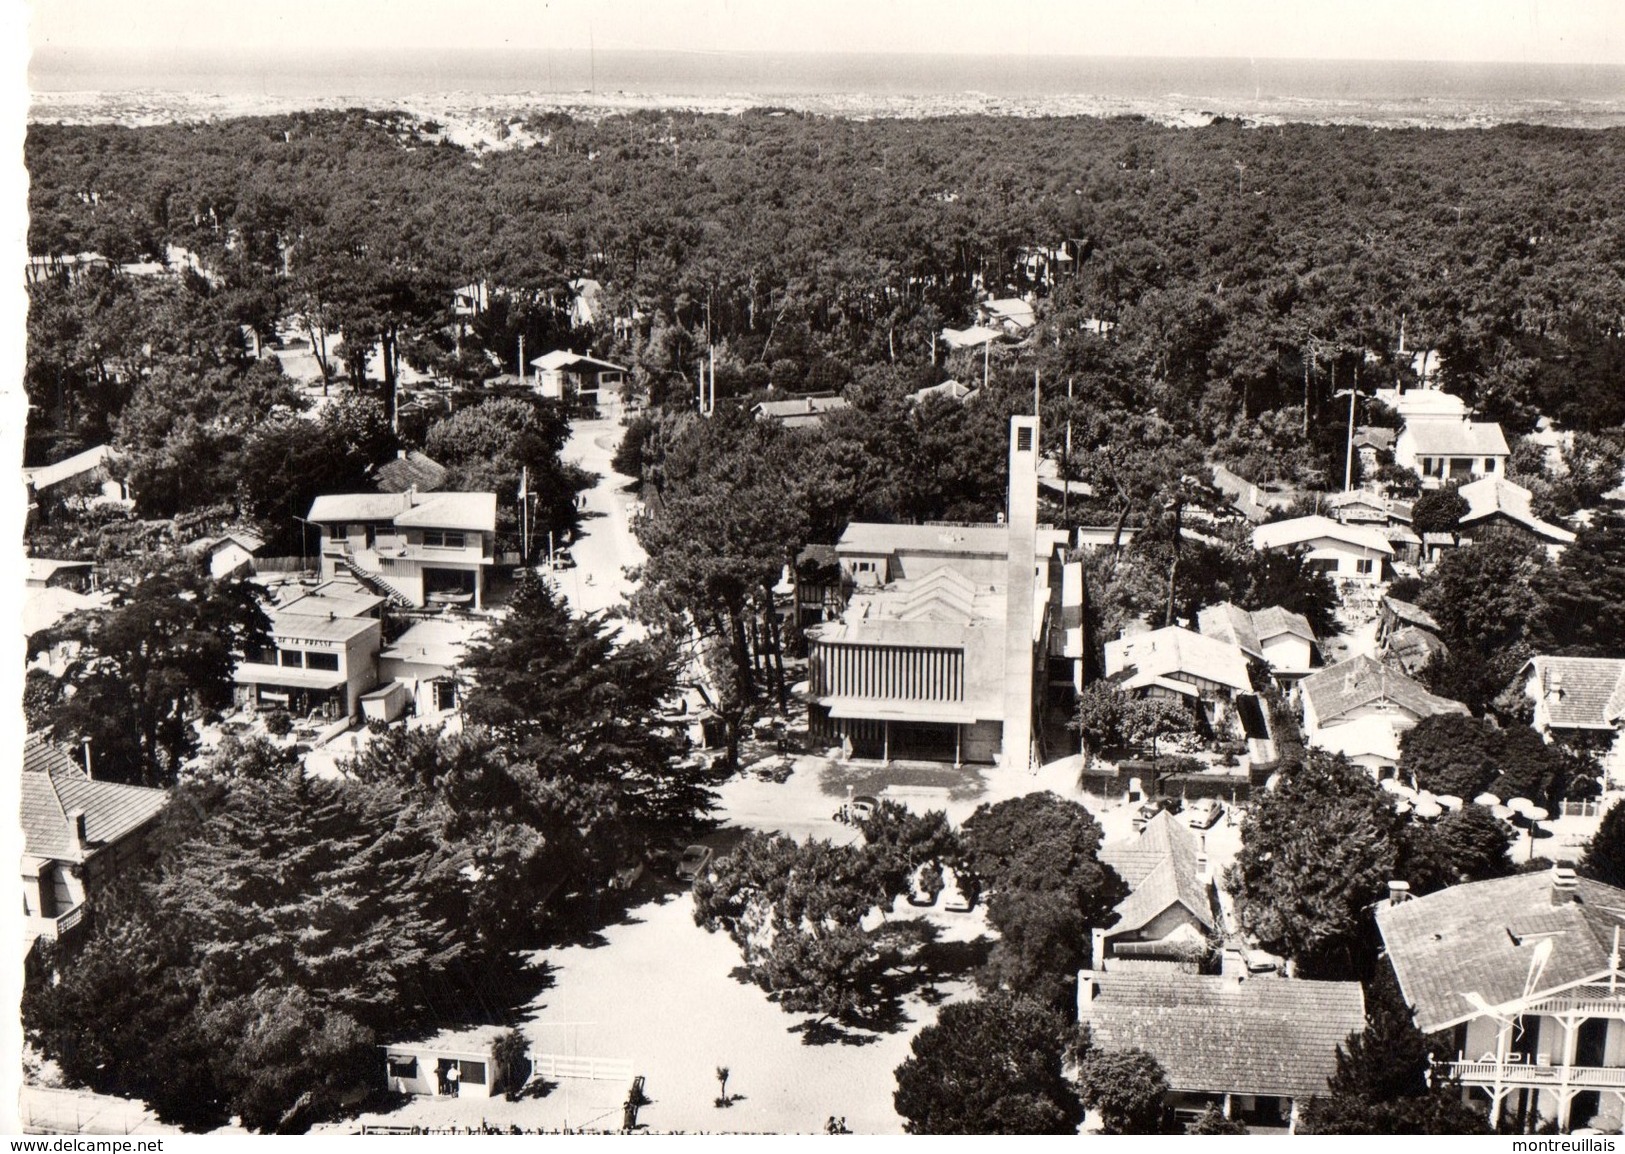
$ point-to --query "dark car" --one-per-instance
(1152, 808)
(693, 862)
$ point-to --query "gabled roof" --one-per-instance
(1159, 867)
(44, 476)
(1248, 499)
(1410, 647)
(53, 786)
(1580, 692)
(1162, 654)
(1011, 310)
(564, 359)
(1249, 630)
(471, 511)
(953, 390)
(43, 568)
(1273, 621)
(973, 337)
(786, 410)
(1456, 439)
(250, 541)
(332, 508)
(1378, 438)
(1492, 496)
(1214, 1035)
(1340, 689)
(1410, 613)
(410, 469)
(1303, 530)
(1479, 938)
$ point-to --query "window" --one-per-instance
(442, 539)
(292, 658)
(1364, 566)
(1322, 564)
(261, 654)
(328, 661)
(473, 1072)
(1489, 464)
(403, 1067)
(1024, 439)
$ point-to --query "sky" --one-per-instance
(1558, 31)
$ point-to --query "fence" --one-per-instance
(556, 1066)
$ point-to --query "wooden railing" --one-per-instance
(1534, 1074)
(555, 1066)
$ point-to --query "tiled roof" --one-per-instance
(1496, 496)
(53, 786)
(1410, 647)
(1377, 438)
(953, 390)
(1340, 689)
(1163, 653)
(1303, 530)
(408, 470)
(1231, 623)
(1274, 621)
(472, 511)
(1456, 439)
(1213, 1035)
(1581, 692)
(565, 359)
(1159, 867)
(44, 476)
(1410, 614)
(970, 338)
(798, 407)
(1479, 938)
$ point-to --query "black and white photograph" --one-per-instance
(874, 568)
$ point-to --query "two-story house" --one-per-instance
(1522, 978)
(1279, 638)
(578, 379)
(1168, 915)
(1580, 701)
(1360, 707)
(1182, 665)
(315, 663)
(418, 549)
(77, 835)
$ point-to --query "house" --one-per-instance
(1013, 315)
(426, 659)
(78, 835)
(471, 300)
(577, 379)
(93, 468)
(1394, 614)
(1521, 978)
(1420, 406)
(230, 554)
(1168, 914)
(415, 548)
(1452, 451)
(1580, 701)
(340, 598)
(315, 664)
(1407, 546)
(1384, 701)
(1407, 635)
(820, 586)
(1496, 505)
(799, 412)
(1251, 501)
(449, 1065)
(409, 469)
(1281, 639)
(1174, 663)
(952, 390)
(693, 714)
(1374, 446)
(972, 338)
(1359, 507)
(1346, 552)
(45, 573)
(1258, 1048)
(947, 637)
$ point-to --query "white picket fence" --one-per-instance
(555, 1066)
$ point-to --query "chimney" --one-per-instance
(1565, 886)
(1399, 892)
(400, 454)
(76, 829)
(1202, 866)
(1086, 994)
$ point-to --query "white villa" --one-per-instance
(415, 548)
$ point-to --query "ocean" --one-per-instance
(1376, 91)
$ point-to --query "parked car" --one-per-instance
(626, 877)
(1204, 813)
(662, 863)
(864, 806)
(693, 862)
(1152, 808)
(561, 559)
(956, 898)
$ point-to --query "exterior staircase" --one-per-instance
(376, 584)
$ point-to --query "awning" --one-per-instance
(281, 677)
(868, 709)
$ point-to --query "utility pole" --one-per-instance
(524, 515)
(1066, 464)
(521, 356)
(987, 352)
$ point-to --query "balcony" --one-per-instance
(54, 928)
(1484, 1074)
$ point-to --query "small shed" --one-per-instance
(386, 703)
(446, 1066)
